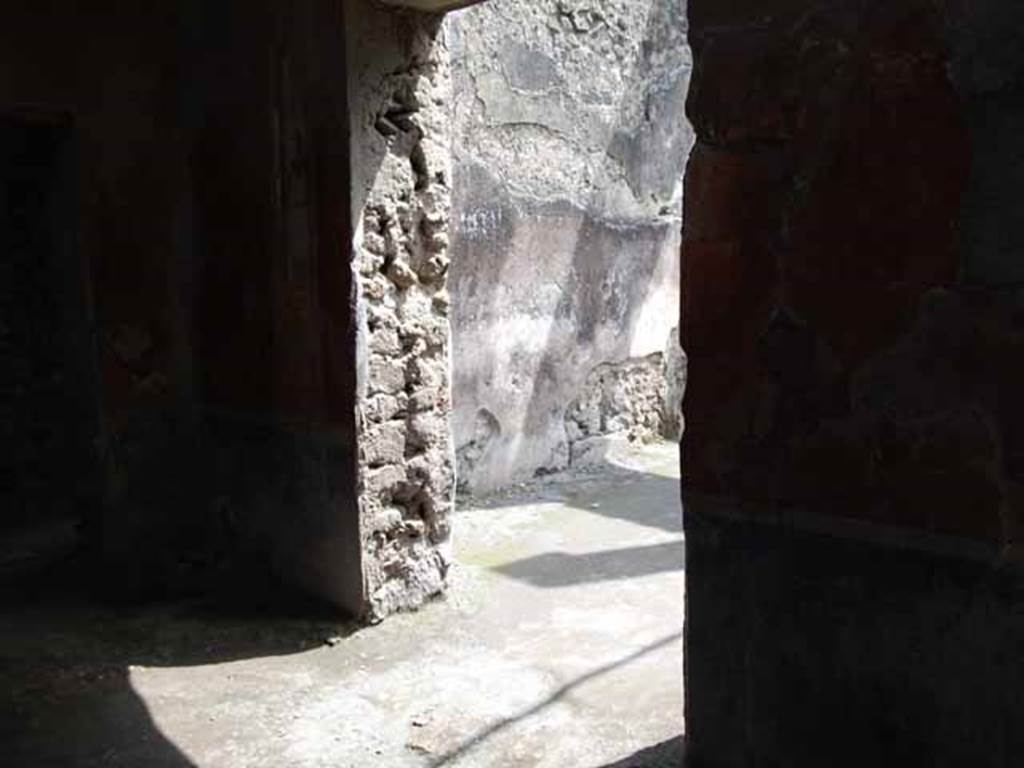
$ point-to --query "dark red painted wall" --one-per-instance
(839, 356)
(852, 263)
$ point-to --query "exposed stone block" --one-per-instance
(386, 375)
(385, 407)
(383, 444)
(380, 483)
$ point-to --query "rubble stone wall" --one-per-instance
(638, 399)
(400, 89)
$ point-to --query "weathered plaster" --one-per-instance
(570, 148)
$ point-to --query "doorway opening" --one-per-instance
(570, 145)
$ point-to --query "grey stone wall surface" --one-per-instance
(570, 142)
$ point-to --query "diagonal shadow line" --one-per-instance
(474, 741)
(668, 754)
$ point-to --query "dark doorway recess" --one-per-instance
(48, 406)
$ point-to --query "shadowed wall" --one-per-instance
(851, 312)
(210, 187)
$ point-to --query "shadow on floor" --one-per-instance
(559, 569)
(610, 490)
(642, 498)
(66, 653)
(668, 754)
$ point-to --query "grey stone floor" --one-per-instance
(559, 645)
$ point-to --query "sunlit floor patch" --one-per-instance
(559, 644)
